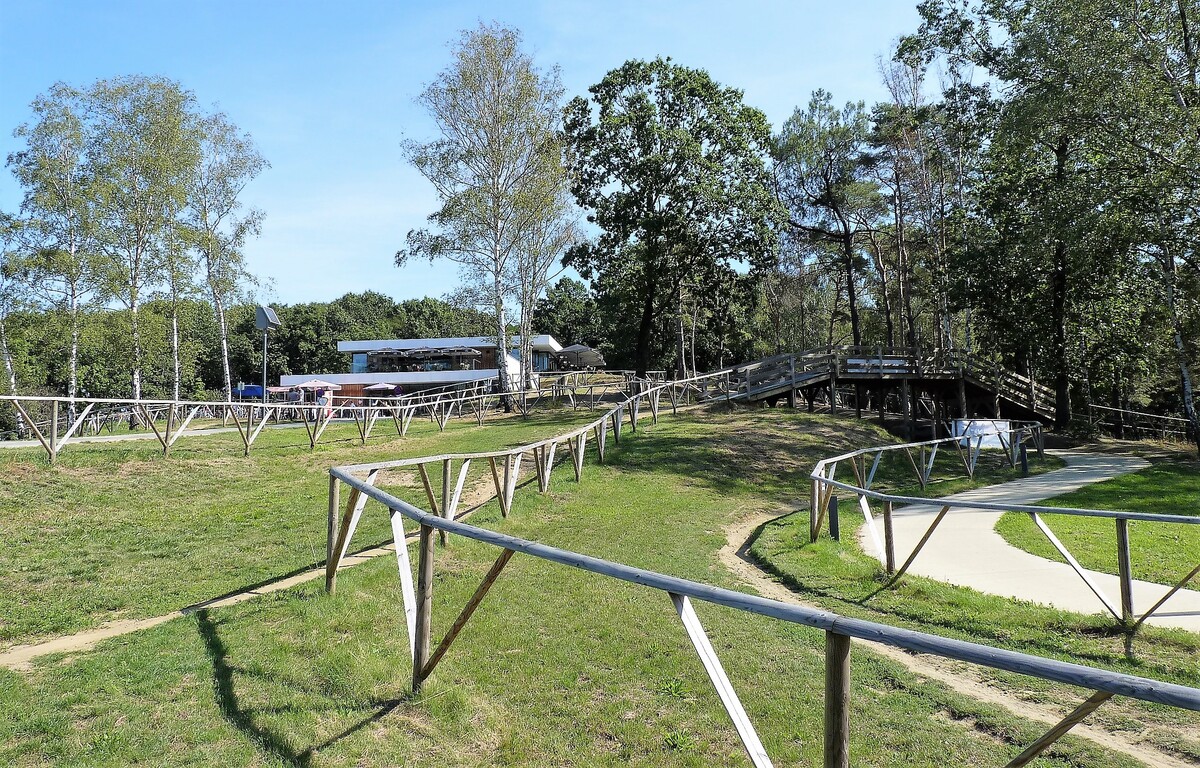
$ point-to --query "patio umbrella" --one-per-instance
(317, 384)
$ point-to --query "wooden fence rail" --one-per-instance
(168, 420)
(838, 631)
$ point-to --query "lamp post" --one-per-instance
(266, 321)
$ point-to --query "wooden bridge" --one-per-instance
(938, 385)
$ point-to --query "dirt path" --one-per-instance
(735, 556)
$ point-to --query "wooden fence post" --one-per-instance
(835, 522)
(837, 700)
(889, 543)
(445, 505)
(1124, 571)
(334, 504)
(424, 605)
(813, 510)
(54, 432)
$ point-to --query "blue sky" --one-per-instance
(327, 90)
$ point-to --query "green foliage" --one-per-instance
(568, 313)
(497, 170)
(306, 343)
(671, 167)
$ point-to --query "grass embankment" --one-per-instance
(1159, 552)
(558, 667)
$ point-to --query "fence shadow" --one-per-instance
(243, 718)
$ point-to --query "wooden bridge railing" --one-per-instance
(418, 596)
(1121, 422)
(798, 369)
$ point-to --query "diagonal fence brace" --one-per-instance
(1089, 706)
(716, 673)
(480, 592)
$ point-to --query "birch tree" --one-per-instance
(141, 154)
(217, 224)
(496, 114)
(10, 293)
(539, 260)
(58, 260)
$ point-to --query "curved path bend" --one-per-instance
(967, 551)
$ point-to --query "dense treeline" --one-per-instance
(1026, 192)
(306, 342)
(1035, 205)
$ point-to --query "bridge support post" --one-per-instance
(858, 393)
(962, 397)
(906, 408)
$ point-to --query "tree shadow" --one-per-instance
(242, 718)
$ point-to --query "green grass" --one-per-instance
(558, 667)
(115, 531)
(1159, 552)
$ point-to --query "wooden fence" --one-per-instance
(417, 596)
(56, 422)
(1122, 423)
(1014, 440)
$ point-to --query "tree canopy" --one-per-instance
(671, 166)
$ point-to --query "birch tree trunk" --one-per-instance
(1170, 274)
(175, 352)
(137, 347)
(223, 331)
(501, 341)
(9, 370)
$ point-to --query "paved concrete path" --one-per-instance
(966, 549)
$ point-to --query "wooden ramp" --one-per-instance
(939, 385)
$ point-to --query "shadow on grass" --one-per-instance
(742, 453)
(980, 630)
(243, 718)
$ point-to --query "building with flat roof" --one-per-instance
(419, 364)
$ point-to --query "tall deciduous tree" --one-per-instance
(58, 257)
(669, 161)
(496, 167)
(141, 156)
(822, 160)
(217, 225)
(10, 295)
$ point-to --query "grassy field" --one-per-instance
(115, 531)
(557, 667)
(1162, 553)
